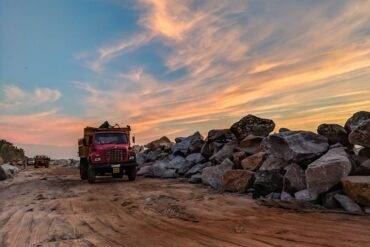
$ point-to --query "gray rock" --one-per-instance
(296, 146)
(197, 169)
(335, 133)
(327, 171)
(226, 152)
(274, 196)
(273, 163)
(195, 158)
(145, 171)
(213, 175)
(357, 118)
(285, 196)
(329, 200)
(251, 124)
(153, 155)
(159, 168)
(267, 182)
(10, 170)
(196, 142)
(162, 143)
(169, 173)
(348, 204)
(294, 178)
(179, 164)
(220, 135)
(195, 178)
(188, 145)
(303, 195)
(140, 158)
(361, 134)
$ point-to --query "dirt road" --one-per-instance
(52, 207)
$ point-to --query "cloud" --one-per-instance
(300, 63)
(16, 97)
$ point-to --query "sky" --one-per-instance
(175, 67)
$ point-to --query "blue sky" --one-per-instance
(172, 68)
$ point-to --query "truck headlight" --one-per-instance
(97, 159)
(131, 158)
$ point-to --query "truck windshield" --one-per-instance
(110, 138)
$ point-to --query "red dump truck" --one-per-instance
(106, 151)
(41, 160)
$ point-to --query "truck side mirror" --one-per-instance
(133, 139)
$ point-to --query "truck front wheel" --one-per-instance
(83, 169)
(91, 175)
(131, 173)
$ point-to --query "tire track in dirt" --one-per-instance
(52, 207)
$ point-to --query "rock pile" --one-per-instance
(330, 167)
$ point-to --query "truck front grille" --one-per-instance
(116, 155)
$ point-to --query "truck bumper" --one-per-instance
(112, 168)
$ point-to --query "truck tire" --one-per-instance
(91, 174)
(83, 169)
(131, 173)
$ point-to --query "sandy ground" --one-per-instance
(52, 207)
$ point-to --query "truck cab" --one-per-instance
(106, 151)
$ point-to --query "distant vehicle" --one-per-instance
(106, 150)
(41, 160)
(30, 161)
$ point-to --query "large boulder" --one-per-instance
(141, 158)
(361, 134)
(294, 178)
(363, 169)
(220, 135)
(237, 180)
(238, 157)
(267, 182)
(10, 170)
(159, 168)
(299, 147)
(198, 168)
(226, 152)
(213, 175)
(154, 155)
(357, 188)
(251, 124)
(145, 171)
(273, 163)
(251, 144)
(162, 142)
(253, 162)
(195, 158)
(215, 140)
(188, 145)
(327, 171)
(357, 118)
(180, 164)
(303, 195)
(335, 133)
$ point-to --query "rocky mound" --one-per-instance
(294, 166)
(10, 153)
